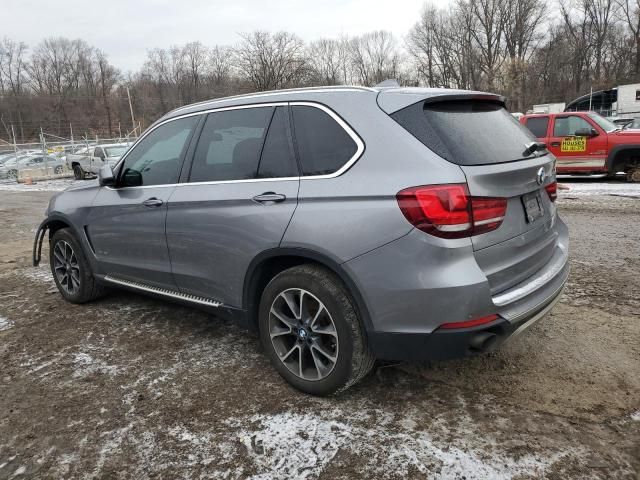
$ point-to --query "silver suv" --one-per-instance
(342, 224)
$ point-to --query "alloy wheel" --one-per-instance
(66, 267)
(303, 334)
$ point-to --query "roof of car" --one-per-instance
(389, 98)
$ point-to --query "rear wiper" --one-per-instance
(533, 147)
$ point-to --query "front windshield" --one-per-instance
(115, 151)
(603, 123)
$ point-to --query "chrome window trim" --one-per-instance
(360, 146)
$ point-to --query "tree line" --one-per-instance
(529, 50)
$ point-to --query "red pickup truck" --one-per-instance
(586, 142)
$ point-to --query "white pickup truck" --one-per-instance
(89, 160)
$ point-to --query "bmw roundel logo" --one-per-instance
(540, 176)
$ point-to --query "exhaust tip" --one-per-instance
(483, 342)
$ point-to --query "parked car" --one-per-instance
(633, 125)
(12, 166)
(342, 224)
(587, 143)
(91, 159)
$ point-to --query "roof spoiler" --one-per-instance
(396, 99)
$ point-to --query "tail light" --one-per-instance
(552, 191)
(448, 211)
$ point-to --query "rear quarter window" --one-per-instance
(324, 147)
(466, 132)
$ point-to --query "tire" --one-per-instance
(78, 173)
(336, 330)
(633, 175)
(57, 170)
(67, 257)
(12, 174)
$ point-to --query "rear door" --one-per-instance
(576, 153)
(126, 225)
(237, 200)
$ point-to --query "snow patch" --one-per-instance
(599, 188)
(39, 274)
(290, 445)
(5, 324)
(84, 365)
(57, 185)
(635, 416)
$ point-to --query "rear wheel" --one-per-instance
(71, 270)
(311, 331)
(58, 170)
(78, 173)
(633, 175)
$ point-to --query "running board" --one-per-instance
(163, 291)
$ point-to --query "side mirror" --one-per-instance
(105, 176)
(131, 178)
(586, 132)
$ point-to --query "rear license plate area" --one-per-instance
(533, 209)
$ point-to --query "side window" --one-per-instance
(538, 126)
(97, 152)
(230, 144)
(157, 158)
(567, 126)
(323, 145)
(277, 158)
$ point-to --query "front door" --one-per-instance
(575, 152)
(126, 224)
(240, 196)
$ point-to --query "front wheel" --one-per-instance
(58, 170)
(78, 173)
(71, 270)
(311, 331)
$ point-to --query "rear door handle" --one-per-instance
(270, 197)
(152, 202)
(555, 144)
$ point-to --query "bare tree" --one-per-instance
(220, 60)
(522, 22)
(374, 57)
(270, 61)
(328, 59)
(13, 74)
(630, 14)
(487, 29)
(601, 15)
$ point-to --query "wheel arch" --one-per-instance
(618, 156)
(271, 262)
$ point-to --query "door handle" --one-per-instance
(555, 144)
(152, 202)
(270, 197)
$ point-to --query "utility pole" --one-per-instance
(133, 122)
(71, 132)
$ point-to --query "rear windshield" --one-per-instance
(467, 132)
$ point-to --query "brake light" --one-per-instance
(552, 191)
(448, 211)
(470, 323)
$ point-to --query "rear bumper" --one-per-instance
(414, 285)
(458, 343)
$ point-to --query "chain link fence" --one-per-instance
(51, 157)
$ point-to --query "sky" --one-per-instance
(125, 30)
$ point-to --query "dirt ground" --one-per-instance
(131, 387)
